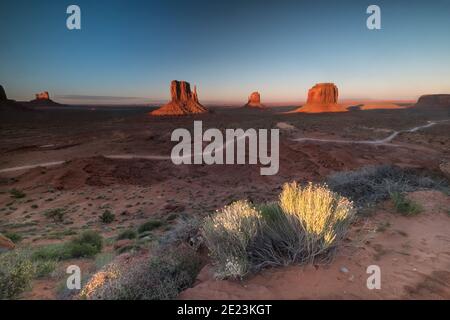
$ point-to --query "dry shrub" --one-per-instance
(305, 225)
(371, 184)
(161, 277)
(228, 235)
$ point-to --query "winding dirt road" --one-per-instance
(386, 141)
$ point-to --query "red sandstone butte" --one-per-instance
(434, 100)
(323, 97)
(183, 102)
(323, 93)
(42, 96)
(254, 101)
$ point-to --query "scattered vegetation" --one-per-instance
(88, 244)
(14, 237)
(17, 194)
(149, 226)
(373, 184)
(305, 225)
(127, 234)
(107, 217)
(404, 205)
(57, 214)
(18, 269)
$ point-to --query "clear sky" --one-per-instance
(129, 51)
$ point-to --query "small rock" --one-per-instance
(344, 270)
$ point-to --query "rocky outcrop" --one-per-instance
(434, 100)
(323, 93)
(6, 244)
(254, 101)
(3, 96)
(42, 96)
(183, 101)
(323, 97)
(42, 99)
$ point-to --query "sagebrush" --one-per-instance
(305, 225)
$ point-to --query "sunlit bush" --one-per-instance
(305, 225)
(228, 234)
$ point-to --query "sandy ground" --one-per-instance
(413, 254)
(86, 183)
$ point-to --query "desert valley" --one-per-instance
(224, 156)
(65, 170)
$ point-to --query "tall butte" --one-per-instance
(323, 97)
(183, 102)
(254, 101)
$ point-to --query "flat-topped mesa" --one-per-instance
(254, 101)
(183, 101)
(3, 96)
(323, 97)
(323, 93)
(434, 100)
(43, 96)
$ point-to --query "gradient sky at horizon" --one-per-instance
(133, 49)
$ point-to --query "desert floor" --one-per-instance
(414, 252)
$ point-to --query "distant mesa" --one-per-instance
(323, 97)
(3, 96)
(183, 102)
(254, 101)
(434, 100)
(9, 108)
(42, 96)
(43, 99)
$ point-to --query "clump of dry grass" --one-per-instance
(323, 214)
(305, 225)
(228, 235)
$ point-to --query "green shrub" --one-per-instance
(305, 225)
(107, 217)
(51, 252)
(44, 268)
(88, 244)
(57, 215)
(127, 234)
(14, 237)
(17, 194)
(372, 184)
(150, 225)
(404, 205)
(16, 273)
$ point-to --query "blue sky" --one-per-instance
(133, 49)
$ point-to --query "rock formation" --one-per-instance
(183, 102)
(434, 100)
(323, 97)
(42, 99)
(323, 93)
(254, 101)
(42, 96)
(2, 94)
